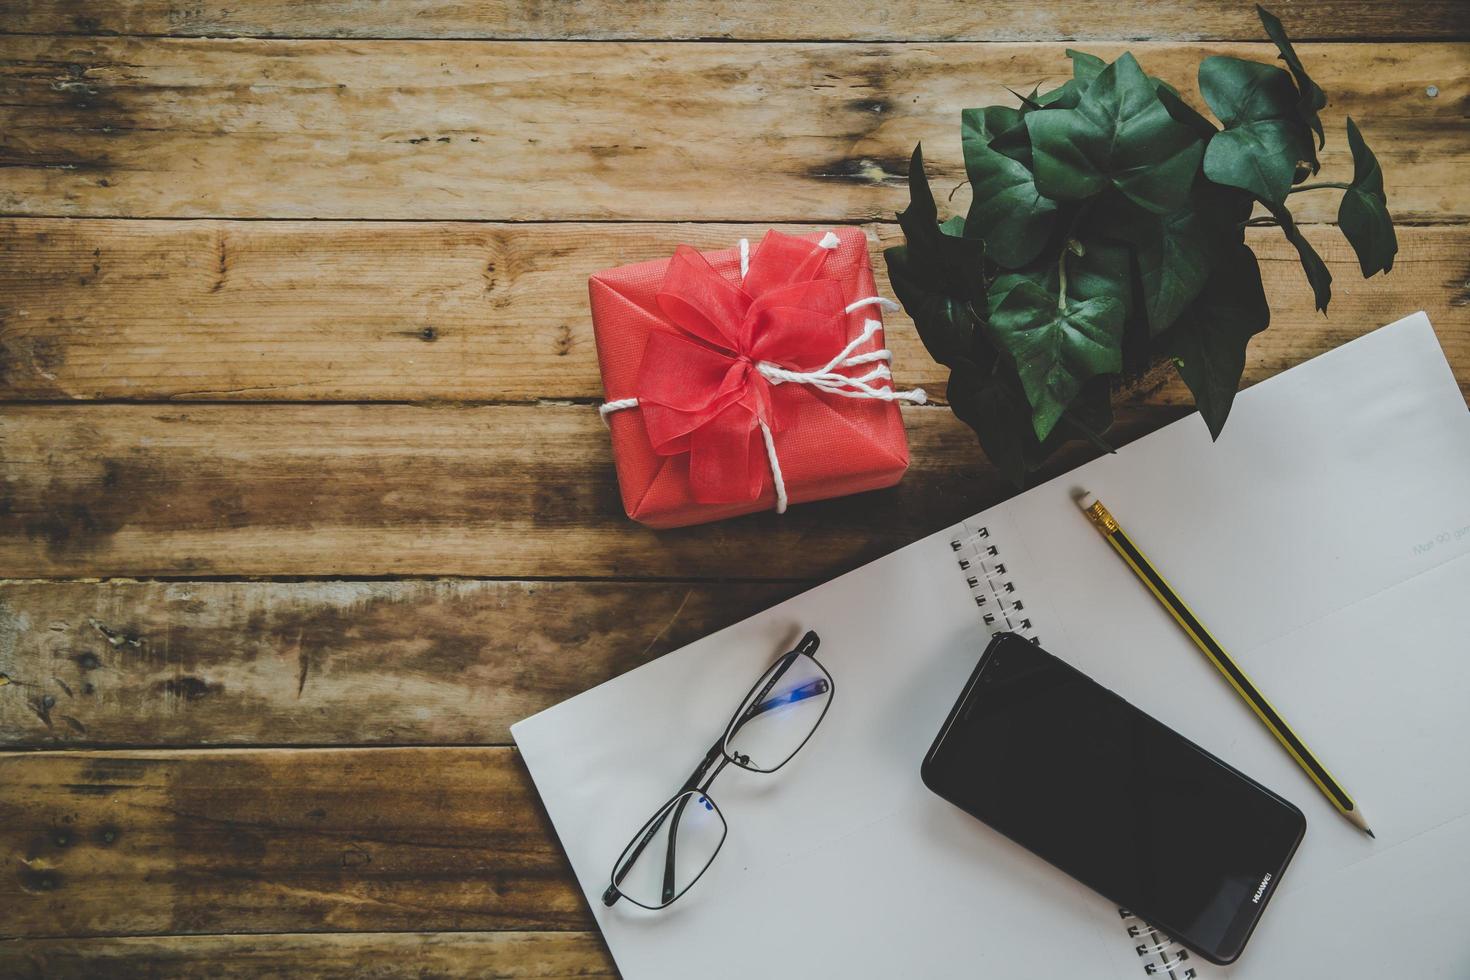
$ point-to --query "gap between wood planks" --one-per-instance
(1450, 220)
(447, 953)
(505, 955)
(930, 21)
(417, 578)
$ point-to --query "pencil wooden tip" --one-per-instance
(1356, 816)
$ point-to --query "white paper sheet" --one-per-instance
(1325, 539)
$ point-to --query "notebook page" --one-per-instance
(1389, 682)
(1324, 542)
(1382, 922)
(842, 863)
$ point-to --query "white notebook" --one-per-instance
(1325, 540)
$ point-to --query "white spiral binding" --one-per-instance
(1162, 955)
(992, 585)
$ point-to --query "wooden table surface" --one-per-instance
(303, 497)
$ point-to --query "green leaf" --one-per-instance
(1008, 132)
(1064, 96)
(996, 118)
(1103, 269)
(1055, 350)
(1263, 137)
(1225, 208)
(1119, 135)
(1209, 341)
(1363, 214)
(1006, 210)
(1311, 99)
(954, 226)
(938, 275)
(1091, 414)
(1001, 286)
(1174, 251)
(989, 399)
(1174, 262)
(999, 416)
(1085, 67)
(1312, 264)
(947, 325)
(1182, 112)
(1028, 102)
(938, 262)
(1242, 91)
(1258, 157)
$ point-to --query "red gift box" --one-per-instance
(741, 379)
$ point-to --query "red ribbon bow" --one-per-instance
(698, 387)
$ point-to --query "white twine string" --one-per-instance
(776, 476)
(607, 408)
(827, 378)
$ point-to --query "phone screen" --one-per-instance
(1124, 804)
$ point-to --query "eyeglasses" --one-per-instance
(681, 839)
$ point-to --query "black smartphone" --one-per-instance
(1126, 805)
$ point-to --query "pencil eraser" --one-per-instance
(1086, 500)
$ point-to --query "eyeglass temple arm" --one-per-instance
(696, 778)
(810, 689)
(668, 890)
(759, 705)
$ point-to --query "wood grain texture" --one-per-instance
(313, 956)
(313, 663)
(499, 163)
(504, 491)
(877, 20)
(574, 130)
(267, 841)
(227, 310)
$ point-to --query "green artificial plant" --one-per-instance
(1107, 230)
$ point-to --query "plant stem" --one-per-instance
(980, 321)
(1087, 432)
(1067, 245)
(1062, 276)
(1322, 186)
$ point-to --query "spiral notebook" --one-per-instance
(1001, 605)
(1326, 540)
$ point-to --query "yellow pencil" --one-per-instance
(1216, 653)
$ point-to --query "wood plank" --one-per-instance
(226, 310)
(564, 130)
(314, 663)
(502, 491)
(857, 20)
(274, 840)
(312, 956)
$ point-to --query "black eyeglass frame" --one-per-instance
(702, 777)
